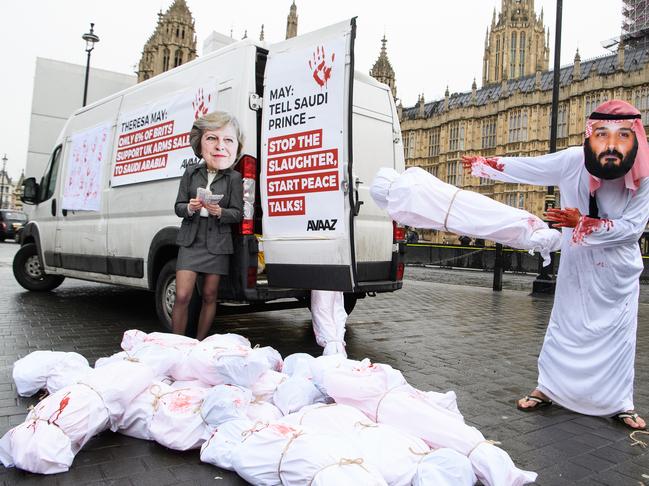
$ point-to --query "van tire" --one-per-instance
(29, 273)
(165, 296)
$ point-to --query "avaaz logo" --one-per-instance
(321, 225)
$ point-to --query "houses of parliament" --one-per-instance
(509, 115)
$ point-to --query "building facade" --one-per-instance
(172, 43)
(510, 114)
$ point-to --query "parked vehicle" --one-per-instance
(113, 221)
(11, 224)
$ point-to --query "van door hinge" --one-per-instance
(255, 101)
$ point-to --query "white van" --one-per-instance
(103, 210)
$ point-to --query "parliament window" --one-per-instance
(489, 132)
(641, 102)
(521, 50)
(433, 142)
(562, 121)
(518, 125)
(512, 57)
(454, 173)
(497, 66)
(178, 58)
(165, 59)
(456, 136)
(592, 102)
(515, 199)
(409, 148)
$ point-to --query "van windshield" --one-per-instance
(15, 216)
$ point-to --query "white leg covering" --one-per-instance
(329, 318)
(494, 467)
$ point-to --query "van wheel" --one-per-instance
(29, 273)
(165, 296)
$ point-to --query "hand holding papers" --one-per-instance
(205, 196)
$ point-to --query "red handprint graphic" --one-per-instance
(321, 71)
(200, 105)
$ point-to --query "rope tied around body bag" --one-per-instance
(450, 205)
(281, 456)
(158, 396)
(486, 441)
(342, 462)
(378, 405)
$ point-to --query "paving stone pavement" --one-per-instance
(442, 336)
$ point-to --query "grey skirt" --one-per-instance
(196, 257)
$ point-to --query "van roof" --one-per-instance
(242, 44)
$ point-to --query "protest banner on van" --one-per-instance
(153, 142)
(83, 179)
(302, 139)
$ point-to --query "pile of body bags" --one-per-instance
(298, 421)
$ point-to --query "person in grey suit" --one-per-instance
(205, 237)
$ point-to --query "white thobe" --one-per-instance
(586, 363)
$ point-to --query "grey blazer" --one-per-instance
(227, 182)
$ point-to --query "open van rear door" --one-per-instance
(306, 156)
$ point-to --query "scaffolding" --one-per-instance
(635, 24)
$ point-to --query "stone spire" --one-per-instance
(620, 55)
(382, 70)
(421, 106)
(291, 22)
(516, 44)
(261, 34)
(576, 67)
(172, 43)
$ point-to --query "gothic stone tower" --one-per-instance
(291, 22)
(516, 45)
(382, 70)
(172, 43)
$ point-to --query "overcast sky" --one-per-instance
(431, 43)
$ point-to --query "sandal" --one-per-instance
(630, 414)
(539, 403)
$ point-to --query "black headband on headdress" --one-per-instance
(608, 116)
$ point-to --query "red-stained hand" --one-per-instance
(468, 161)
(563, 218)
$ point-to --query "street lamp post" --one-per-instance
(91, 39)
(2, 181)
(545, 282)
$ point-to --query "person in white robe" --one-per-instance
(587, 360)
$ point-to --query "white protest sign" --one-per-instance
(302, 139)
(153, 142)
(82, 184)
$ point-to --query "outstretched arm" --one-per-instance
(544, 170)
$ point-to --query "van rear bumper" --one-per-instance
(379, 286)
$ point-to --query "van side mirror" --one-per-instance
(30, 191)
